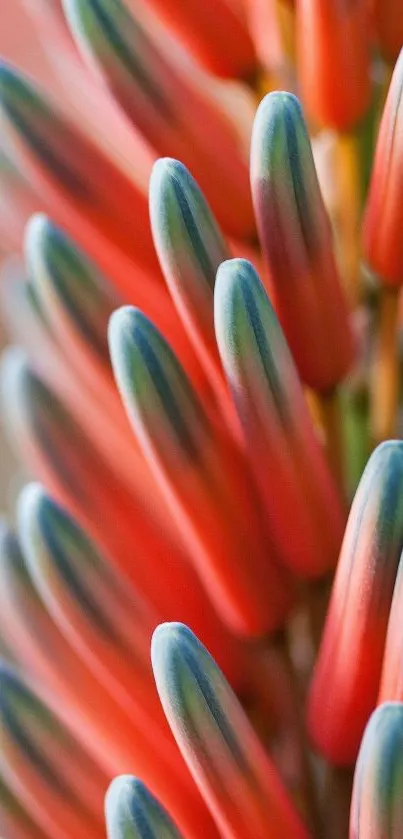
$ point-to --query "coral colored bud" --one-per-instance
(388, 23)
(201, 474)
(190, 247)
(214, 32)
(392, 669)
(333, 46)
(383, 223)
(102, 616)
(163, 101)
(377, 802)
(277, 427)
(346, 680)
(74, 175)
(296, 238)
(45, 765)
(133, 813)
(229, 765)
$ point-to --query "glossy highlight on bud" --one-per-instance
(383, 223)
(377, 802)
(132, 812)
(277, 428)
(229, 765)
(295, 233)
(348, 668)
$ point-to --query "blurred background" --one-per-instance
(18, 42)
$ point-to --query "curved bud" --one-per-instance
(74, 175)
(190, 247)
(45, 766)
(228, 763)
(162, 100)
(296, 238)
(295, 480)
(201, 474)
(377, 803)
(383, 223)
(346, 679)
(132, 812)
(101, 615)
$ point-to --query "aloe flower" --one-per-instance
(350, 658)
(133, 813)
(377, 804)
(201, 547)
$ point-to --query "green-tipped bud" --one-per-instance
(68, 285)
(133, 813)
(190, 248)
(377, 802)
(295, 233)
(216, 740)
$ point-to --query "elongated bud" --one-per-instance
(276, 424)
(228, 763)
(133, 813)
(52, 774)
(296, 238)
(190, 247)
(392, 668)
(66, 281)
(65, 459)
(201, 474)
(346, 680)
(388, 22)
(377, 803)
(334, 60)
(86, 190)
(163, 101)
(215, 34)
(102, 616)
(383, 224)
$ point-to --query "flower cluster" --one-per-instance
(202, 588)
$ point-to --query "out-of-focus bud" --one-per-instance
(88, 193)
(383, 224)
(53, 776)
(388, 22)
(296, 238)
(202, 475)
(268, 396)
(377, 802)
(333, 48)
(346, 680)
(133, 813)
(165, 104)
(228, 763)
(215, 34)
(392, 670)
